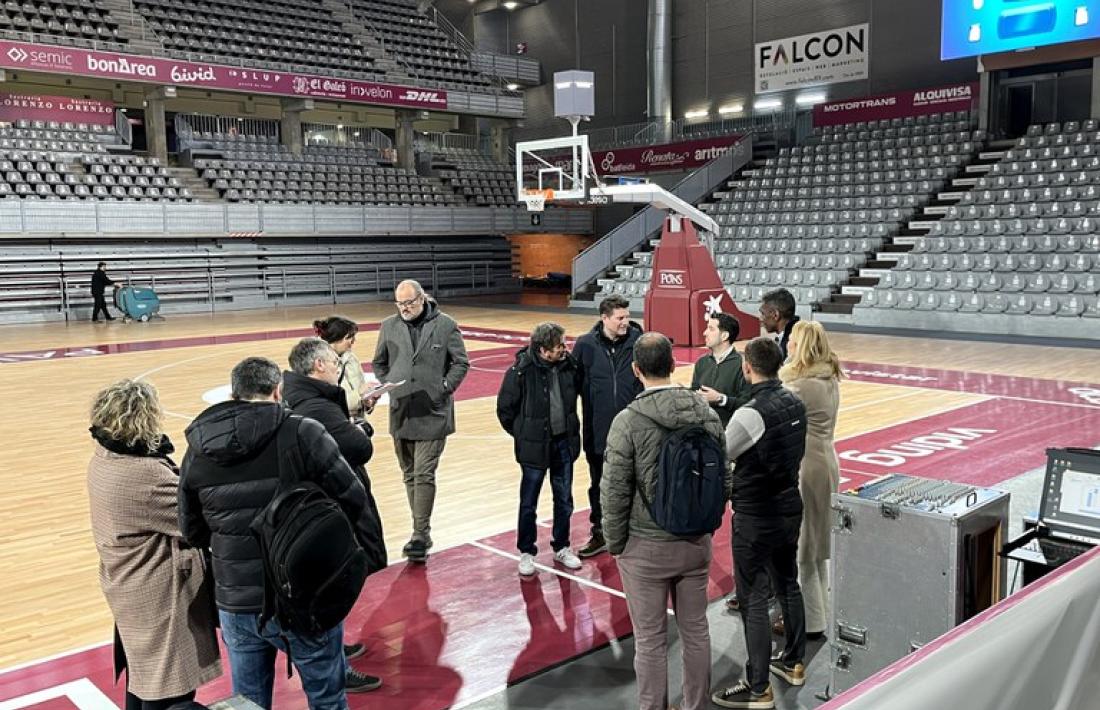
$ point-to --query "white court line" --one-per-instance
(177, 362)
(54, 657)
(552, 570)
(81, 693)
(873, 403)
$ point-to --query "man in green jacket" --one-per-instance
(717, 376)
(653, 563)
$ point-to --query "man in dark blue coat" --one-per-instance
(604, 354)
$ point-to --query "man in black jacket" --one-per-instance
(100, 282)
(311, 389)
(777, 316)
(230, 473)
(537, 406)
(605, 354)
(766, 438)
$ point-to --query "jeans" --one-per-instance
(319, 660)
(762, 545)
(561, 483)
(595, 473)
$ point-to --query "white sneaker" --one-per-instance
(567, 558)
(526, 564)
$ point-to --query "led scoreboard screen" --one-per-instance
(972, 27)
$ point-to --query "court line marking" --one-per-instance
(552, 570)
(82, 693)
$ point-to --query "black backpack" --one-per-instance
(314, 568)
(690, 491)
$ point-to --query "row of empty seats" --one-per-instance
(72, 19)
(475, 176)
(1024, 242)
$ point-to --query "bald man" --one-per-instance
(423, 347)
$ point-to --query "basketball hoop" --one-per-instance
(536, 199)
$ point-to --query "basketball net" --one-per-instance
(536, 199)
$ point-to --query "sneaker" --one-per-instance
(354, 650)
(594, 546)
(741, 696)
(567, 558)
(415, 550)
(732, 602)
(795, 675)
(526, 564)
(356, 682)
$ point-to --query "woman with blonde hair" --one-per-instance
(813, 373)
(156, 586)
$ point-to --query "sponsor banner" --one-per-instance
(685, 155)
(958, 97)
(815, 59)
(55, 108)
(668, 157)
(156, 70)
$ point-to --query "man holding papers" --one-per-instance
(422, 347)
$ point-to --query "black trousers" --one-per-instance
(100, 304)
(133, 702)
(765, 555)
(595, 474)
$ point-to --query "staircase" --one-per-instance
(200, 190)
(870, 273)
(132, 27)
(383, 63)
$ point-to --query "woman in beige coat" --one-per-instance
(813, 373)
(156, 586)
(340, 332)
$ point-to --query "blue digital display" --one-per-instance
(972, 27)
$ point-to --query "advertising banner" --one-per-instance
(815, 59)
(685, 155)
(174, 72)
(55, 108)
(972, 27)
(958, 97)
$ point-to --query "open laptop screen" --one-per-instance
(1071, 494)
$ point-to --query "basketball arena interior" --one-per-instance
(920, 177)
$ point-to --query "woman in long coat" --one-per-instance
(813, 373)
(156, 586)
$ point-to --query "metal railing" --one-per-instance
(22, 218)
(192, 125)
(461, 141)
(522, 69)
(346, 136)
(591, 263)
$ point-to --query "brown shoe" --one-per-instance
(594, 546)
(778, 628)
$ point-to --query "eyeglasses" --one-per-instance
(408, 303)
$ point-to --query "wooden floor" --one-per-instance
(49, 595)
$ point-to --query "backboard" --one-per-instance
(557, 164)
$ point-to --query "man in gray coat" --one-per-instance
(653, 563)
(422, 347)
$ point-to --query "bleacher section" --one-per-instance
(66, 161)
(277, 32)
(259, 169)
(810, 217)
(51, 281)
(1019, 248)
(418, 42)
(79, 21)
(479, 179)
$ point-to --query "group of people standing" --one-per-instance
(179, 547)
(774, 411)
(179, 555)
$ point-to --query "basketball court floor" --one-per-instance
(464, 630)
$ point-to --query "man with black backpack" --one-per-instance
(290, 531)
(664, 491)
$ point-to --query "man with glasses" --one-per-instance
(421, 347)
